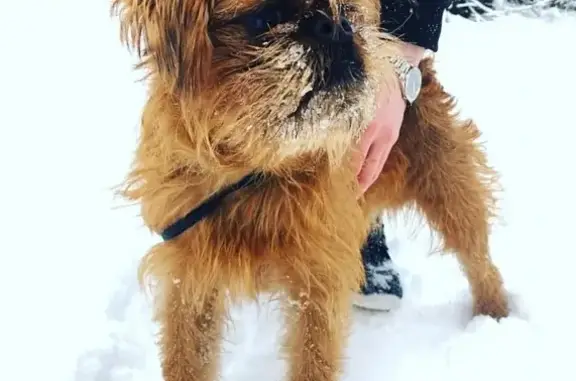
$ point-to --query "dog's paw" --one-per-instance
(494, 308)
(508, 305)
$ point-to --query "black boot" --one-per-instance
(382, 290)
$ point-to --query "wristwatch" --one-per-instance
(410, 78)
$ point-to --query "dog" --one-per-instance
(243, 165)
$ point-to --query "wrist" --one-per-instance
(414, 54)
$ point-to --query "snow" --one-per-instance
(71, 308)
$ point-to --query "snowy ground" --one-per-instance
(71, 309)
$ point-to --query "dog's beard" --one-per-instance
(294, 93)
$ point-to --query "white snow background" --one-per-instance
(70, 307)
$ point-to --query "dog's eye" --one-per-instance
(265, 19)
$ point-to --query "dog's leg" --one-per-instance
(455, 204)
(453, 186)
(317, 320)
(446, 173)
(190, 336)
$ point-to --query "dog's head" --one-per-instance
(295, 73)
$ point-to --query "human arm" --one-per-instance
(418, 24)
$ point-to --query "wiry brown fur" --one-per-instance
(298, 232)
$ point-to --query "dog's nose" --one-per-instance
(324, 29)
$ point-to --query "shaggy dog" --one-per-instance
(254, 108)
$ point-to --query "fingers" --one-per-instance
(364, 146)
(375, 159)
(369, 170)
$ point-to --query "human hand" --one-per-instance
(382, 133)
(380, 136)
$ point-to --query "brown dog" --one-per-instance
(240, 87)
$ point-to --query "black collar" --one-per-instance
(206, 208)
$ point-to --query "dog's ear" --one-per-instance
(170, 37)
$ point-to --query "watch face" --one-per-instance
(413, 84)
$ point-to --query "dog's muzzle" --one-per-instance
(333, 42)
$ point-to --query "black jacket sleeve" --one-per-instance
(415, 21)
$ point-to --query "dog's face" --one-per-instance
(279, 70)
